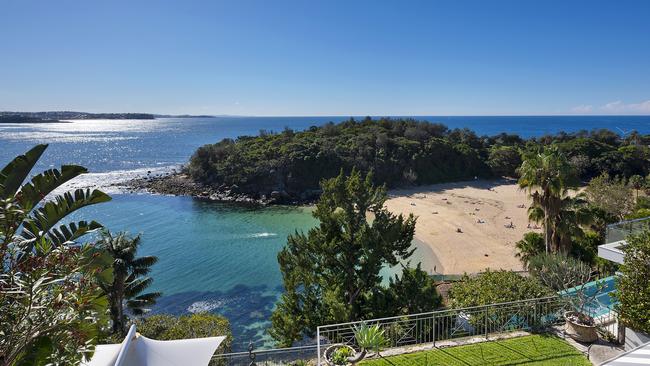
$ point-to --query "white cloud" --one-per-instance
(616, 107)
(623, 108)
(583, 109)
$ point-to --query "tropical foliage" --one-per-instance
(51, 308)
(332, 273)
(633, 285)
(129, 280)
(370, 337)
(531, 245)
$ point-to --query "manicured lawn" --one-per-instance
(528, 350)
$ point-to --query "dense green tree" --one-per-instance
(51, 308)
(547, 176)
(332, 273)
(412, 281)
(493, 287)
(129, 281)
(504, 160)
(633, 287)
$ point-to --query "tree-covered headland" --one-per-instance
(287, 166)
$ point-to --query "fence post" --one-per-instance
(433, 327)
(486, 323)
(251, 355)
(318, 344)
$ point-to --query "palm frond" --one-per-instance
(137, 286)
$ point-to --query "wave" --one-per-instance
(205, 306)
(262, 235)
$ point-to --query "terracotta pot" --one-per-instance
(577, 331)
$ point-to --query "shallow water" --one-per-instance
(212, 256)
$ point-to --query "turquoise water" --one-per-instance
(212, 256)
(603, 302)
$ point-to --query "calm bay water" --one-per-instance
(212, 256)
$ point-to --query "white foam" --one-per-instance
(262, 235)
(204, 306)
(113, 182)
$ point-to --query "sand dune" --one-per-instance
(489, 215)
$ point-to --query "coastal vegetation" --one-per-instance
(332, 273)
(51, 307)
(288, 166)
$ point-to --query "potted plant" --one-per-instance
(570, 277)
(368, 338)
(340, 355)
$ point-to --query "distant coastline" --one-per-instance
(62, 116)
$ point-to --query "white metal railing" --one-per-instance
(265, 357)
(426, 329)
(449, 324)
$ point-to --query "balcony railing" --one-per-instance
(436, 327)
(426, 330)
(265, 357)
(620, 230)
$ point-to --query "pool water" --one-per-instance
(603, 303)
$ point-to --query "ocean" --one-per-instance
(213, 256)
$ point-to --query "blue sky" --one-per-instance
(330, 57)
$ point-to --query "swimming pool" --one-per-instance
(603, 303)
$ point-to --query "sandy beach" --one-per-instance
(490, 215)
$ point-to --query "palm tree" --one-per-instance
(129, 278)
(573, 215)
(547, 175)
(637, 182)
(531, 245)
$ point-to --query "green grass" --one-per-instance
(528, 350)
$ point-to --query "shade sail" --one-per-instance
(137, 350)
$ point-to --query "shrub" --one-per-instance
(494, 287)
(633, 285)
